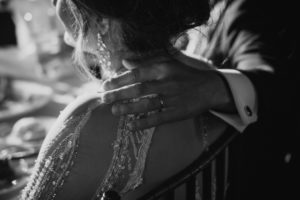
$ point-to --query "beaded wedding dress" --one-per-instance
(58, 155)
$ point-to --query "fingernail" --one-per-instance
(126, 64)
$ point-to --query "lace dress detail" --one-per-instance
(131, 162)
(52, 168)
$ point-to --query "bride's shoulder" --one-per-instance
(83, 104)
(77, 115)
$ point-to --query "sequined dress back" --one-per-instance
(59, 151)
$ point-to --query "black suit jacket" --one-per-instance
(249, 34)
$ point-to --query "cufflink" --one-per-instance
(287, 158)
(248, 111)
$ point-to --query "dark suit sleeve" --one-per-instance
(254, 37)
(251, 35)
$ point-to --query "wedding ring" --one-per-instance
(161, 102)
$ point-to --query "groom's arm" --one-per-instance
(252, 40)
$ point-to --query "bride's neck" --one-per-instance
(140, 56)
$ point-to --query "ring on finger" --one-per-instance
(161, 102)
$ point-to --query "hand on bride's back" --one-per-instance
(183, 91)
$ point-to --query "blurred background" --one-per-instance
(37, 80)
(32, 34)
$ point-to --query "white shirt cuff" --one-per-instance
(244, 96)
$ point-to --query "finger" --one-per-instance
(129, 64)
(130, 77)
(164, 88)
(126, 78)
(154, 120)
(144, 105)
(138, 72)
(129, 92)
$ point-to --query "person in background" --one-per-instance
(254, 45)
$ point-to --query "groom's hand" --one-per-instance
(182, 91)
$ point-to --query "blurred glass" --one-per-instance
(40, 34)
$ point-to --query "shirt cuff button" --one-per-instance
(248, 111)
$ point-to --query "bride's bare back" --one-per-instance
(89, 151)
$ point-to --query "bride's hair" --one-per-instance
(145, 25)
